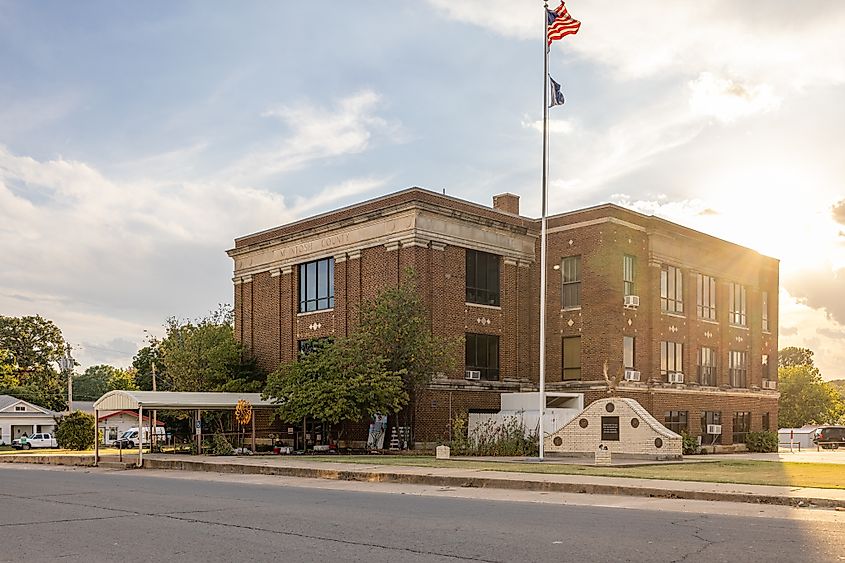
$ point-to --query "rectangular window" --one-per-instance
(676, 421)
(742, 426)
(316, 285)
(571, 358)
(482, 354)
(571, 279)
(671, 358)
(705, 301)
(482, 271)
(628, 352)
(708, 418)
(112, 433)
(765, 306)
(19, 408)
(629, 267)
(767, 423)
(736, 305)
(671, 289)
(738, 368)
(765, 366)
(311, 344)
(706, 366)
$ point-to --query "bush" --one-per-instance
(76, 431)
(690, 443)
(492, 439)
(220, 446)
(762, 442)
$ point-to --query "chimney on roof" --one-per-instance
(509, 203)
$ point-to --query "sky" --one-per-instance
(138, 140)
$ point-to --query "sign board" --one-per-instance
(610, 428)
(199, 427)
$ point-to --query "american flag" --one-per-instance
(560, 24)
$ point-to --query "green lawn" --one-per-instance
(822, 475)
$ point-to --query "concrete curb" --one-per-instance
(48, 459)
(491, 482)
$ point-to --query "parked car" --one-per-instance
(129, 439)
(35, 441)
(830, 437)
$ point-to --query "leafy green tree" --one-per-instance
(336, 381)
(8, 370)
(35, 344)
(76, 431)
(93, 383)
(204, 355)
(122, 378)
(839, 385)
(792, 356)
(147, 359)
(806, 399)
(395, 326)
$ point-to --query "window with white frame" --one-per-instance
(705, 297)
(738, 368)
(629, 268)
(571, 282)
(707, 366)
(671, 357)
(671, 289)
(628, 352)
(737, 305)
(765, 308)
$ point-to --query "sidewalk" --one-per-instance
(460, 477)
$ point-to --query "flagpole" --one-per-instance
(544, 198)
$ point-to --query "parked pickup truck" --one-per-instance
(35, 441)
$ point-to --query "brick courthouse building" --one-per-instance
(687, 323)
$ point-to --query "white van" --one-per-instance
(129, 439)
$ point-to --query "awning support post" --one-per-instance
(140, 436)
(96, 437)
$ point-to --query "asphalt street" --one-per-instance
(49, 514)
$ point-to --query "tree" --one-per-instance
(203, 355)
(76, 431)
(334, 382)
(806, 399)
(35, 344)
(8, 370)
(143, 362)
(395, 327)
(839, 385)
(100, 379)
(792, 356)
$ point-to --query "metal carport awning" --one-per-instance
(167, 400)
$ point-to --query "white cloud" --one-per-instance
(774, 41)
(315, 133)
(727, 100)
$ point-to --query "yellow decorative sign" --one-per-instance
(243, 412)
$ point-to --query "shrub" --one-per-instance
(762, 442)
(690, 443)
(220, 446)
(76, 431)
(494, 439)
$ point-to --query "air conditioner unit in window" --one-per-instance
(473, 374)
(767, 384)
(632, 301)
(632, 375)
(676, 378)
(715, 429)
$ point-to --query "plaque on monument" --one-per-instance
(610, 428)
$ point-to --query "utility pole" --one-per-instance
(66, 365)
(155, 413)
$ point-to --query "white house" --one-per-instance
(20, 418)
(114, 423)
